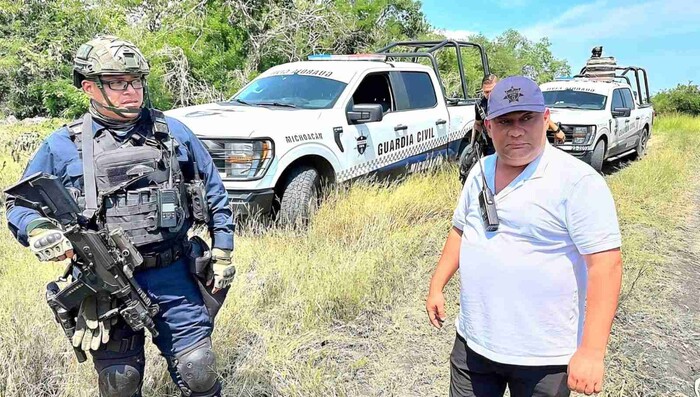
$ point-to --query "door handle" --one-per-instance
(638, 118)
(401, 127)
(440, 122)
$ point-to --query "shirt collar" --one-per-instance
(536, 169)
(542, 161)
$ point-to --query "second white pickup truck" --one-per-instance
(599, 114)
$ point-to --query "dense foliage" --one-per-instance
(684, 98)
(203, 50)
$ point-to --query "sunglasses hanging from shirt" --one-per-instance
(487, 203)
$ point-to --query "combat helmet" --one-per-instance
(105, 56)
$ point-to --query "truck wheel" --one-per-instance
(641, 149)
(300, 196)
(598, 156)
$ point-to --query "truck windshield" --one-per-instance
(291, 91)
(574, 100)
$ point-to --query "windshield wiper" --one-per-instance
(243, 102)
(280, 104)
(564, 107)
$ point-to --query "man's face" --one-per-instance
(519, 137)
(120, 92)
(487, 88)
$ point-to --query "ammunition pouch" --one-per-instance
(197, 194)
(199, 257)
(164, 258)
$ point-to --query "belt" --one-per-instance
(124, 345)
(163, 258)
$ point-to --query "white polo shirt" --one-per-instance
(523, 287)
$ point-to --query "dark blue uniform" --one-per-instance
(484, 103)
(183, 320)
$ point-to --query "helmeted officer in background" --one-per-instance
(133, 168)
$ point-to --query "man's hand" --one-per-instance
(47, 242)
(435, 306)
(559, 137)
(222, 269)
(586, 370)
(90, 332)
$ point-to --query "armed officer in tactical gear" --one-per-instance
(133, 168)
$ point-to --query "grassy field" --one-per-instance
(339, 309)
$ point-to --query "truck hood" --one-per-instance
(582, 117)
(226, 120)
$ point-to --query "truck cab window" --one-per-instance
(617, 101)
(629, 101)
(419, 90)
(374, 89)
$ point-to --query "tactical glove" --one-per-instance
(47, 242)
(222, 268)
(90, 332)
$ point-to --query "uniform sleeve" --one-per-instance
(591, 217)
(477, 112)
(19, 217)
(220, 224)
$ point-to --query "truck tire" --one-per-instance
(300, 196)
(598, 156)
(641, 149)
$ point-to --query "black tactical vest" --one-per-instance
(139, 185)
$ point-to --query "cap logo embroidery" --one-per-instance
(513, 95)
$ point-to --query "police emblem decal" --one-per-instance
(361, 144)
(513, 95)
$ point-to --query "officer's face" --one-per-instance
(518, 137)
(487, 88)
(120, 91)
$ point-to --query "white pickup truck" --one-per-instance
(328, 120)
(600, 116)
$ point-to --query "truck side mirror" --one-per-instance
(621, 112)
(365, 113)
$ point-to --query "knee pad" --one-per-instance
(120, 365)
(120, 380)
(196, 370)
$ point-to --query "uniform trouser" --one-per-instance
(182, 322)
(473, 375)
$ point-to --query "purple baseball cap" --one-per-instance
(515, 94)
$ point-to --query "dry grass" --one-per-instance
(338, 309)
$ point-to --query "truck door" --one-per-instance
(423, 117)
(362, 140)
(620, 124)
(635, 126)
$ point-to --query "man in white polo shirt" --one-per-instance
(538, 294)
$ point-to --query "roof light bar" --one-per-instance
(353, 57)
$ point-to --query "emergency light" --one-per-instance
(352, 57)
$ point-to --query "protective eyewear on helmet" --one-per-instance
(121, 85)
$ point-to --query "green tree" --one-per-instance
(37, 42)
(205, 50)
(684, 98)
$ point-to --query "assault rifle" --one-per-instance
(105, 260)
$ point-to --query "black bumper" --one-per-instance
(247, 203)
(581, 155)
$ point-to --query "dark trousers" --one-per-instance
(473, 375)
(182, 321)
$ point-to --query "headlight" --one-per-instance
(583, 135)
(241, 159)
